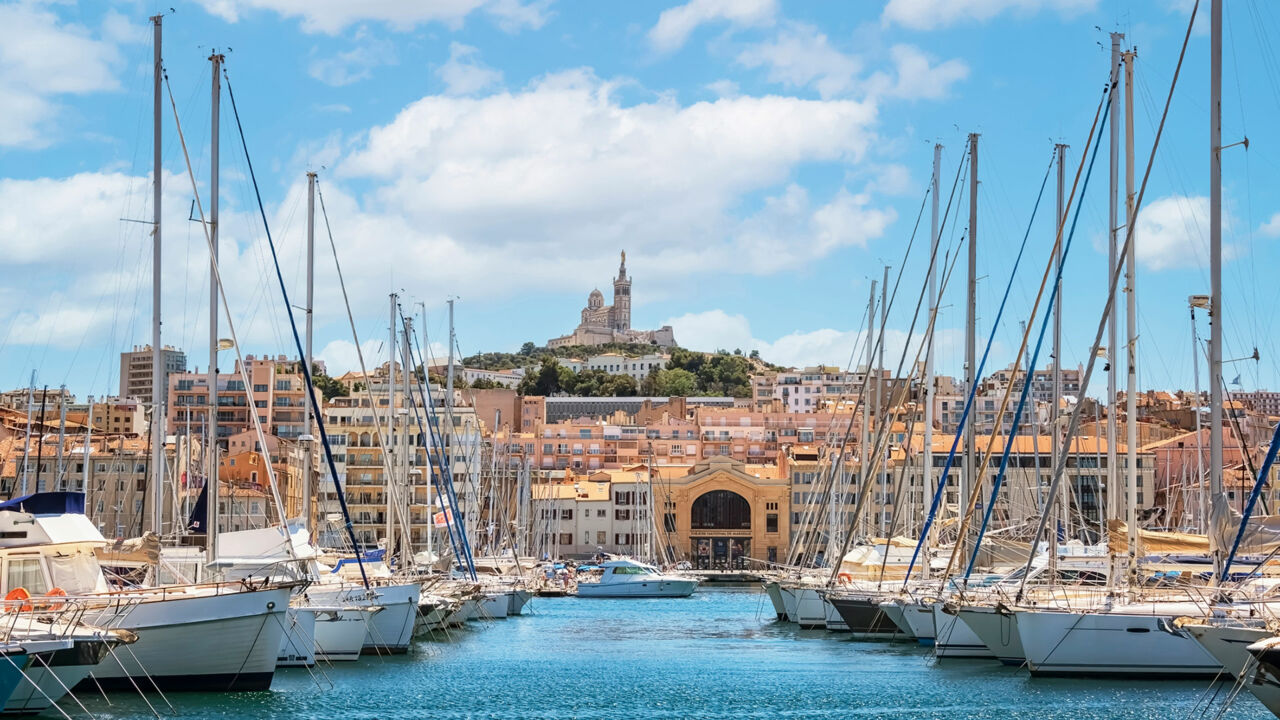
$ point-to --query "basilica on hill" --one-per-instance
(601, 324)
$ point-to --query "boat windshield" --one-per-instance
(631, 570)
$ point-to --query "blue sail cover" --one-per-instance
(198, 522)
(47, 503)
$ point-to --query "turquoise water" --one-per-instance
(718, 654)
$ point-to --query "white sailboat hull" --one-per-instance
(810, 610)
(196, 641)
(997, 630)
(1228, 645)
(298, 643)
(340, 633)
(1110, 644)
(391, 629)
(953, 638)
(919, 619)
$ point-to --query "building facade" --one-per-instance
(135, 370)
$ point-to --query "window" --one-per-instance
(600, 514)
(566, 514)
(669, 522)
(771, 522)
(261, 388)
(26, 573)
(566, 538)
(621, 514)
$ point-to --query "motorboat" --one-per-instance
(632, 579)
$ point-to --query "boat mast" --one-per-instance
(390, 440)
(1060, 503)
(864, 461)
(405, 447)
(157, 372)
(882, 403)
(26, 446)
(212, 481)
(1215, 263)
(426, 455)
(62, 436)
(88, 443)
(1131, 322)
(1198, 301)
(967, 479)
(1113, 358)
(308, 441)
(926, 477)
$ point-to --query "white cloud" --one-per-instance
(724, 88)
(1271, 228)
(464, 74)
(42, 57)
(332, 16)
(676, 24)
(800, 56)
(914, 78)
(563, 172)
(718, 330)
(932, 14)
(355, 64)
(1173, 232)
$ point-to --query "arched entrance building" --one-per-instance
(728, 515)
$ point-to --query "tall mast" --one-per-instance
(1113, 477)
(405, 447)
(1215, 261)
(62, 436)
(26, 446)
(882, 402)
(211, 496)
(448, 393)
(388, 464)
(426, 456)
(1131, 323)
(157, 372)
(88, 443)
(926, 477)
(1059, 503)
(309, 445)
(864, 460)
(967, 480)
(1194, 302)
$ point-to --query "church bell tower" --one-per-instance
(622, 298)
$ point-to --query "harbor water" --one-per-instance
(718, 654)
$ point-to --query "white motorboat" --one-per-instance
(631, 579)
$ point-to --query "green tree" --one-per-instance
(676, 383)
(549, 379)
(485, 384)
(329, 388)
(528, 349)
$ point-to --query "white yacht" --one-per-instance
(214, 636)
(631, 579)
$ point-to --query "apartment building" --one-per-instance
(135, 370)
(357, 430)
(276, 393)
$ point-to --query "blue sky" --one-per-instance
(758, 160)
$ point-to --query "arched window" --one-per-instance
(720, 510)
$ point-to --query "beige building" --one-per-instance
(277, 393)
(135, 370)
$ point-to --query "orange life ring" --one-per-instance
(18, 593)
(55, 592)
(844, 578)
